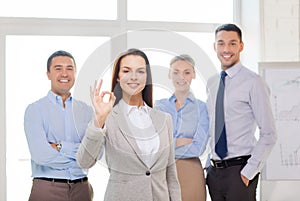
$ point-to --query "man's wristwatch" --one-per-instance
(58, 146)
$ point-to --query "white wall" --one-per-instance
(280, 30)
(271, 34)
(280, 42)
(2, 122)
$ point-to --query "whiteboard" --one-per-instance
(282, 170)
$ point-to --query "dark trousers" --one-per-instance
(225, 184)
(55, 191)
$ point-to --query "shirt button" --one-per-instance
(148, 173)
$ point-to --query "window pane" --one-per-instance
(69, 9)
(206, 42)
(26, 82)
(213, 11)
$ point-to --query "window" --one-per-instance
(201, 11)
(68, 9)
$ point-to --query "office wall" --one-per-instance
(280, 43)
(280, 30)
(2, 122)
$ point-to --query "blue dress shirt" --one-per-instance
(190, 121)
(45, 121)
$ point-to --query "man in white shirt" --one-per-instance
(236, 163)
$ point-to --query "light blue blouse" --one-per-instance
(190, 121)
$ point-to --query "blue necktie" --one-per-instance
(220, 130)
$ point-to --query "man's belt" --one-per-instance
(67, 181)
(241, 160)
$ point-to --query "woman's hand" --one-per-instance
(101, 108)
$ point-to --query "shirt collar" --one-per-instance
(130, 108)
(190, 97)
(54, 98)
(232, 71)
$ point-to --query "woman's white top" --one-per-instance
(142, 129)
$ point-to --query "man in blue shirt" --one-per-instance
(54, 127)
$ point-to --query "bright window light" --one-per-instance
(213, 11)
(68, 9)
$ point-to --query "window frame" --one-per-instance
(70, 27)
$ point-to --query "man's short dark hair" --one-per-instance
(57, 54)
(229, 27)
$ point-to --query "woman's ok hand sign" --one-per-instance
(101, 107)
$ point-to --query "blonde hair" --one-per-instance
(183, 57)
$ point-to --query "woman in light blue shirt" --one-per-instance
(190, 122)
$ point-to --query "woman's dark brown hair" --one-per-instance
(115, 85)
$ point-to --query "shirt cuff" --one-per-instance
(249, 172)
